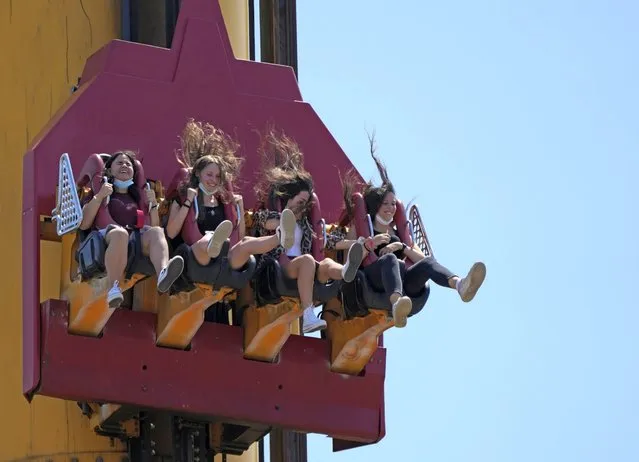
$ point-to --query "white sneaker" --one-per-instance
(353, 260)
(114, 296)
(168, 275)
(286, 229)
(468, 287)
(312, 323)
(401, 310)
(219, 237)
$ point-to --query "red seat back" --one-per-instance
(92, 174)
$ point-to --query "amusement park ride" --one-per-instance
(201, 371)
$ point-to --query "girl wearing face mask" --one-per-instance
(123, 200)
(210, 156)
(286, 185)
(388, 272)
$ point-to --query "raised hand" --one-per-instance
(150, 197)
(391, 248)
(381, 239)
(191, 194)
(105, 191)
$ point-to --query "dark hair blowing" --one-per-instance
(283, 175)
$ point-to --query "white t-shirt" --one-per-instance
(296, 250)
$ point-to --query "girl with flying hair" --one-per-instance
(285, 184)
(388, 273)
(209, 154)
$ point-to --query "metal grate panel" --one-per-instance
(68, 212)
(419, 231)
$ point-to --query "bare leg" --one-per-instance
(242, 251)
(115, 257)
(302, 269)
(199, 249)
(329, 270)
(155, 247)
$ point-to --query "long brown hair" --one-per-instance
(374, 195)
(350, 185)
(282, 175)
(203, 144)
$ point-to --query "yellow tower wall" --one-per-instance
(236, 19)
(45, 45)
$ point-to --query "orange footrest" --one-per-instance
(266, 329)
(89, 311)
(182, 315)
(353, 342)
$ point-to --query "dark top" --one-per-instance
(122, 207)
(210, 218)
(393, 238)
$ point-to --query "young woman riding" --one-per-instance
(123, 203)
(388, 273)
(209, 154)
(285, 184)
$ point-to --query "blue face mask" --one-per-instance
(381, 221)
(122, 184)
(204, 190)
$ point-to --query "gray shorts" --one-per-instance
(103, 232)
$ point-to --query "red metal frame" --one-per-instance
(299, 392)
(134, 96)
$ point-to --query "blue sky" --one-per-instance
(514, 124)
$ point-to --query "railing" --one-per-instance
(418, 231)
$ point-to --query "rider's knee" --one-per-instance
(306, 261)
(155, 233)
(118, 235)
(326, 262)
(245, 240)
(389, 257)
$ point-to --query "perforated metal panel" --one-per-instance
(68, 212)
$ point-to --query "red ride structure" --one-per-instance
(213, 387)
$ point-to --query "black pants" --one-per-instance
(388, 274)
